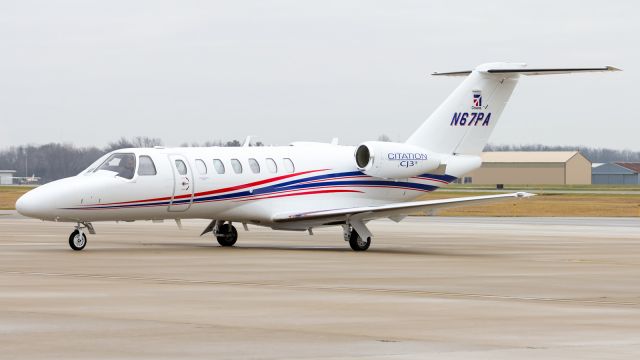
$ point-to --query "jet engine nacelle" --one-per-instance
(394, 160)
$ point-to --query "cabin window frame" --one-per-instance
(180, 171)
(254, 165)
(219, 170)
(272, 166)
(289, 165)
(237, 170)
(199, 166)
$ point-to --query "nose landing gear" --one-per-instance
(77, 239)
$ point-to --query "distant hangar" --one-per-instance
(620, 173)
(531, 168)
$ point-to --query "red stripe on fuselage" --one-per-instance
(216, 191)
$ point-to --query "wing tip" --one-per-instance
(452, 73)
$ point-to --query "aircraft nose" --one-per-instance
(32, 205)
(26, 205)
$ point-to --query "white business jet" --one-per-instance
(297, 187)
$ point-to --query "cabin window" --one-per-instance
(236, 165)
(124, 165)
(146, 166)
(181, 167)
(201, 166)
(271, 166)
(255, 167)
(288, 165)
(218, 165)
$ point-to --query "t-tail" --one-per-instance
(449, 142)
(462, 124)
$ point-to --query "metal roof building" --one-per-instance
(616, 173)
(6, 177)
(532, 168)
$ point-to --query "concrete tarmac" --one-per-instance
(437, 288)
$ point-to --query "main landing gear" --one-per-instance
(358, 236)
(357, 243)
(78, 239)
(224, 231)
(226, 234)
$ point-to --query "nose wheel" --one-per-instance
(77, 240)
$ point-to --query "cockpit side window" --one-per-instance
(146, 166)
(123, 164)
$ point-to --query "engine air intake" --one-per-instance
(363, 156)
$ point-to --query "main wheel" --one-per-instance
(77, 241)
(227, 235)
(357, 243)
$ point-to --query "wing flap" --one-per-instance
(396, 210)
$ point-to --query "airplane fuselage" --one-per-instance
(297, 178)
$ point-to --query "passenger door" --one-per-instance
(182, 196)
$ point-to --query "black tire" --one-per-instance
(227, 235)
(357, 243)
(77, 242)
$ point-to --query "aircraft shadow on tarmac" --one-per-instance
(177, 248)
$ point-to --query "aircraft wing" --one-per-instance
(395, 211)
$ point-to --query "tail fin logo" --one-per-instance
(477, 100)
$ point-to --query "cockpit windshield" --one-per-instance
(91, 168)
(124, 164)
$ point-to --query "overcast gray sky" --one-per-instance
(88, 72)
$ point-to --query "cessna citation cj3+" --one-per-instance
(296, 187)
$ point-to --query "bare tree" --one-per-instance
(136, 142)
(233, 143)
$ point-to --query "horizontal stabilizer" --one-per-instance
(524, 71)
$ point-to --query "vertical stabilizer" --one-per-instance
(463, 122)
